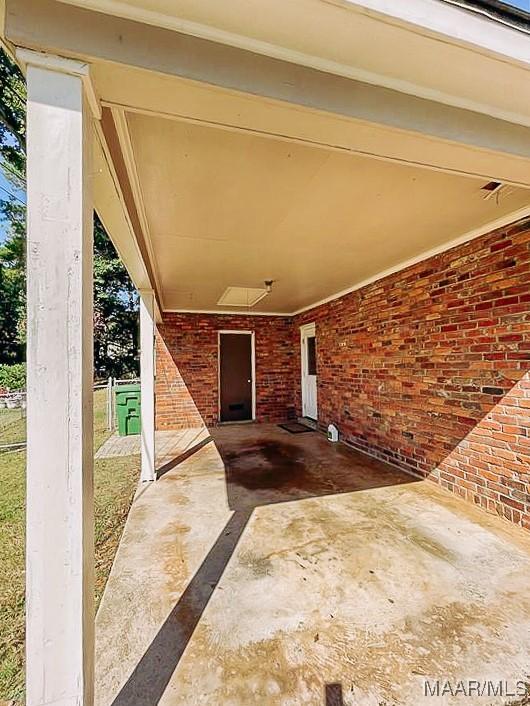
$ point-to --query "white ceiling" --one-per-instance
(226, 208)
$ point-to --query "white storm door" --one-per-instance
(309, 371)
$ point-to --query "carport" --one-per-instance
(350, 222)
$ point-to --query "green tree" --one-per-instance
(115, 299)
(12, 162)
(12, 119)
(12, 285)
(115, 311)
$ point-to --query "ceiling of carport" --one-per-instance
(226, 208)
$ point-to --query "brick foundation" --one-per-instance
(428, 368)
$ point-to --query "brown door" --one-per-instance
(236, 376)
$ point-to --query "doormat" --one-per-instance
(295, 428)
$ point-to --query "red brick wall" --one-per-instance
(428, 368)
(187, 368)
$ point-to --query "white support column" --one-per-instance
(147, 377)
(60, 520)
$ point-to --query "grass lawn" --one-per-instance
(114, 485)
(12, 426)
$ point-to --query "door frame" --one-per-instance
(252, 334)
(306, 331)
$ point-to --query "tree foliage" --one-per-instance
(12, 117)
(13, 162)
(13, 377)
(12, 285)
(115, 311)
(115, 299)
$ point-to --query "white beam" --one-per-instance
(62, 65)
(328, 108)
(147, 377)
(127, 150)
(93, 36)
(60, 520)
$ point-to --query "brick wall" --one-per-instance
(429, 369)
(187, 368)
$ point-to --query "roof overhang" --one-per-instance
(503, 11)
(226, 70)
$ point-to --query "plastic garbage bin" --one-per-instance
(128, 409)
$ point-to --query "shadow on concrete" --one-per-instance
(174, 462)
(259, 470)
(151, 675)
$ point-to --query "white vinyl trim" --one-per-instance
(253, 368)
(224, 312)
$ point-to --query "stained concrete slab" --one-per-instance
(276, 569)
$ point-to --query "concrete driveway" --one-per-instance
(271, 568)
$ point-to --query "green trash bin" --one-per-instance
(128, 409)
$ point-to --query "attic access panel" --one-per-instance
(242, 296)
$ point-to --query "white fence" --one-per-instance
(12, 421)
(14, 400)
(110, 386)
(13, 413)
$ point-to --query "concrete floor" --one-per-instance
(169, 444)
(269, 568)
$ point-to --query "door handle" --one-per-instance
(249, 380)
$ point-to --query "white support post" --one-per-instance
(147, 378)
(60, 520)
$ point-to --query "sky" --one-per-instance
(6, 185)
(6, 188)
(522, 4)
